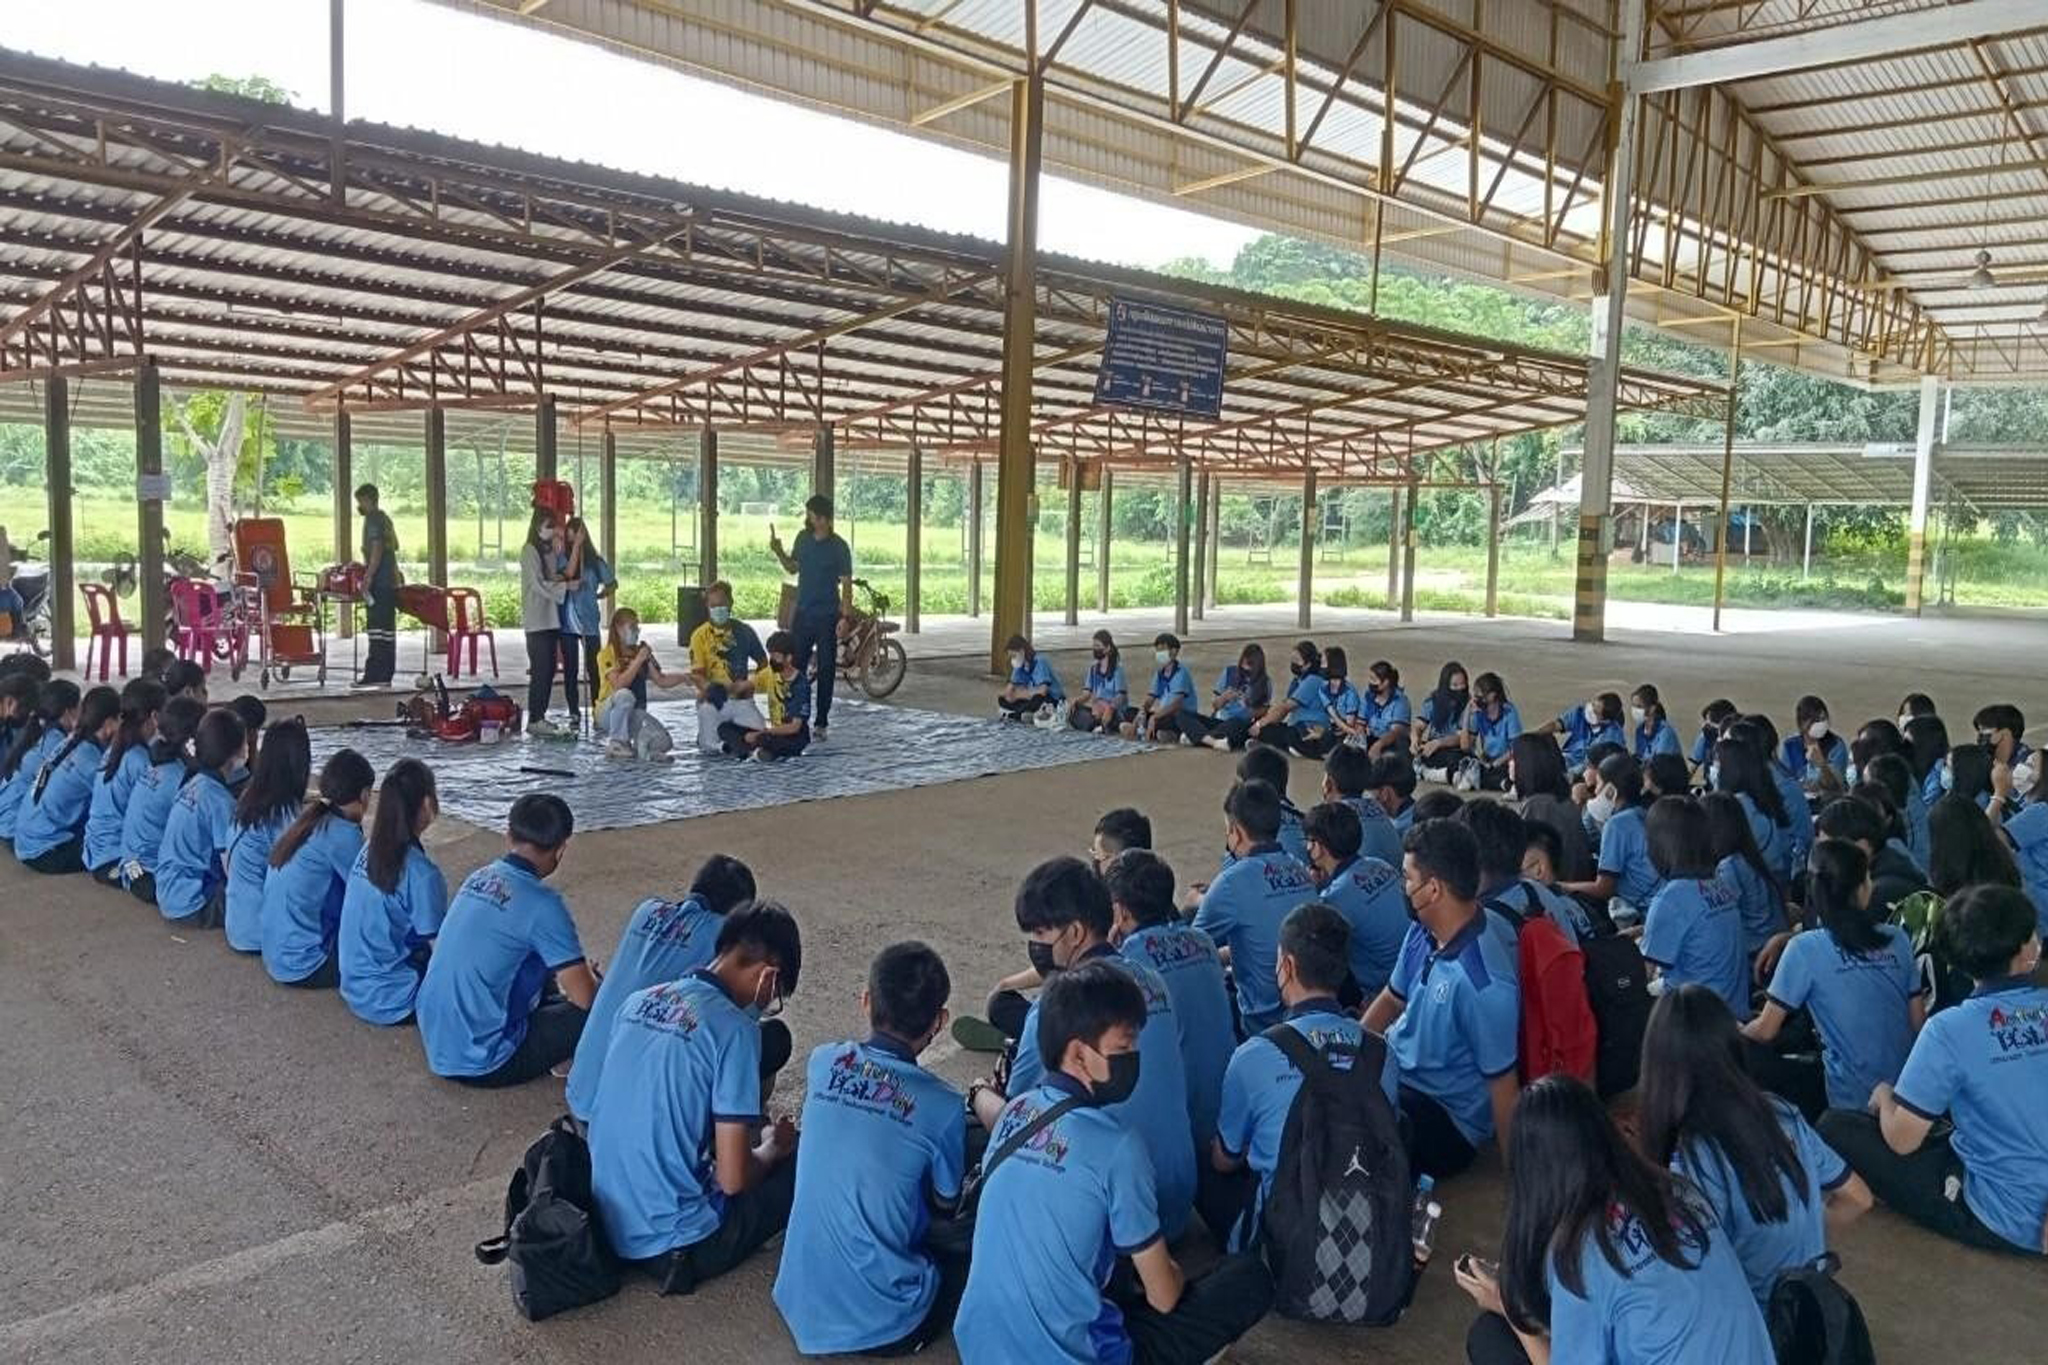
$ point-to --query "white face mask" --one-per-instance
(2022, 779)
(1852, 774)
(631, 634)
(1160, 656)
(1905, 719)
(1636, 714)
(1592, 714)
(1714, 776)
(1948, 776)
(1601, 807)
(1017, 661)
(1817, 731)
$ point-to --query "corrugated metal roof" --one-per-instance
(1979, 478)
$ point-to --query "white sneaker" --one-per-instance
(1435, 774)
(544, 727)
(1218, 743)
(1467, 779)
(759, 756)
(618, 748)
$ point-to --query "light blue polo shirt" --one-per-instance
(1756, 898)
(149, 809)
(1107, 687)
(1773, 840)
(1693, 930)
(109, 808)
(191, 865)
(1861, 1003)
(881, 1137)
(1525, 897)
(1381, 716)
(1343, 703)
(1233, 679)
(2028, 831)
(1798, 830)
(1311, 701)
(1052, 1221)
(1435, 727)
(684, 1058)
(18, 791)
(1919, 842)
(1377, 837)
(1652, 1312)
(1648, 742)
(248, 870)
(1036, 674)
(1625, 856)
(1158, 1112)
(1242, 910)
(1185, 959)
(505, 931)
(1173, 684)
(1460, 1024)
(1368, 894)
(1259, 1091)
(1703, 747)
(380, 932)
(59, 814)
(1578, 735)
(663, 941)
(1792, 754)
(1768, 1250)
(1984, 1062)
(1495, 734)
(302, 899)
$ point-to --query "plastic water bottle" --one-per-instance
(1427, 1213)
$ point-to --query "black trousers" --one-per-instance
(1019, 710)
(1278, 736)
(325, 977)
(818, 631)
(1492, 1342)
(1236, 733)
(380, 619)
(110, 875)
(68, 856)
(1793, 1076)
(207, 916)
(591, 644)
(1435, 1146)
(775, 746)
(1224, 1199)
(552, 1031)
(143, 888)
(1215, 1309)
(543, 649)
(1918, 1185)
(752, 1217)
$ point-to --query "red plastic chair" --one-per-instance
(104, 611)
(195, 611)
(467, 622)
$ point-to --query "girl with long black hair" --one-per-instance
(156, 790)
(191, 867)
(1743, 771)
(268, 804)
(50, 833)
(1304, 710)
(542, 590)
(1774, 1186)
(126, 761)
(1607, 1257)
(309, 870)
(1242, 693)
(395, 900)
(1441, 722)
(35, 744)
(1537, 773)
(1741, 864)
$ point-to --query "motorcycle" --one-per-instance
(869, 653)
(30, 580)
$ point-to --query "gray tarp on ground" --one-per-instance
(873, 748)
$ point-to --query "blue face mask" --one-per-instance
(631, 635)
(720, 615)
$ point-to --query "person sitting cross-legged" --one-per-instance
(779, 683)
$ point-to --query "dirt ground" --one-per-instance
(206, 1167)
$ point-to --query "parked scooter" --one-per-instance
(30, 581)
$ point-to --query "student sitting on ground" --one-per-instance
(1033, 686)
(1440, 804)
(1064, 911)
(1893, 773)
(18, 689)
(1242, 694)
(269, 803)
(1598, 721)
(1384, 710)
(1692, 930)
(1491, 725)
(1813, 744)
(1303, 714)
(1440, 724)
(2026, 830)
(1117, 831)
(49, 834)
(191, 865)
(1774, 1186)
(395, 901)
(625, 666)
(1347, 779)
(1714, 717)
(1858, 818)
(1346, 710)
(1261, 1083)
(1537, 776)
(36, 742)
(127, 760)
(1393, 785)
(488, 1014)
(149, 805)
(689, 1176)
(1983, 1063)
(1167, 711)
(1650, 731)
(1740, 769)
(724, 652)
(1365, 891)
(1740, 863)
(1079, 1192)
(1263, 763)
(254, 716)
(1624, 870)
(1242, 909)
(1105, 696)
(788, 730)
(1999, 728)
(885, 1148)
(1452, 1012)
(185, 678)
(1147, 928)
(1502, 838)
(1794, 813)
(1857, 979)
(1607, 1257)
(666, 940)
(309, 871)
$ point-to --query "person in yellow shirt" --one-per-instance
(624, 667)
(787, 731)
(724, 651)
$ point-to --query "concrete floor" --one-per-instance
(206, 1167)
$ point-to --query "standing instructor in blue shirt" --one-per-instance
(823, 566)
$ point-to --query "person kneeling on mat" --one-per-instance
(779, 684)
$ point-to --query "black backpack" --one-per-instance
(1618, 989)
(560, 1258)
(1814, 1321)
(1337, 1228)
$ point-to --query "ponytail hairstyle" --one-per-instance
(1837, 871)
(277, 782)
(347, 777)
(56, 697)
(408, 787)
(141, 699)
(99, 706)
(219, 741)
(176, 724)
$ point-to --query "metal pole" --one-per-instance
(1181, 510)
(337, 106)
(1016, 460)
(1201, 542)
(63, 562)
(1215, 535)
(1408, 552)
(1806, 562)
(149, 507)
(974, 539)
(1073, 542)
(1727, 477)
(1923, 482)
(824, 464)
(1304, 590)
(913, 544)
(544, 433)
(344, 507)
(1393, 548)
(608, 489)
(437, 511)
(1677, 534)
(1493, 549)
(1102, 522)
(707, 507)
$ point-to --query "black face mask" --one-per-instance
(1459, 694)
(1122, 1082)
(1101, 655)
(1041, 958)
(1296, 668)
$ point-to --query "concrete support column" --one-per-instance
(913, 544)
(1408, 553)
(63, 557)
(1493, 549)
(1727, 482)
(1103, 504)
(1183, 497)
(824, 463)
(707, 507)
(545, 432)
(608, 489)
(1311, 524)
(1393, 548)
(1017, 459)
(1201, 541)
(974, 539)
(437, 508)
(1214, 535)
(149, 510)
(1923, 484)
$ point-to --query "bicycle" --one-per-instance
(869, 653)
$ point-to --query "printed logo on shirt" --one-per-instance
(853, 1079)
(666, 923)
(1369, 878)
(1047, 1147)
(486, 884)
(665, 1009)
(1632, 1239)
(1325, 1037)
(1284, 874)
(2019, 1028)
(1167, 951)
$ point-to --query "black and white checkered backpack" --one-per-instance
(1336, 1227)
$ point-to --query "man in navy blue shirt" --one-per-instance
(823, 566)
(1070, 1263)
(688, 1175)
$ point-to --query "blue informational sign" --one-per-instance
(1164, 359)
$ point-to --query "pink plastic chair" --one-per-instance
(467, 622)
(196, 615)
(104, 611)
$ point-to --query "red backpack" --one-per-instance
(1559, 1033)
